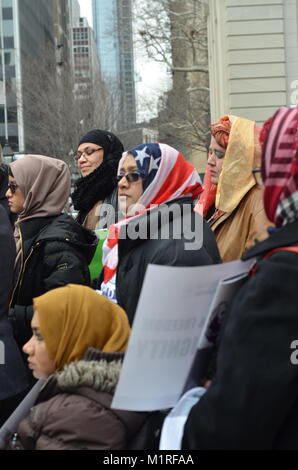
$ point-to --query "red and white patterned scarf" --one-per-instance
(279, 139)
(166, 176)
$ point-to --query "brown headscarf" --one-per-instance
(74, 318)
(45, 184)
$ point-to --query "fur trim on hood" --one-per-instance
(101, 376)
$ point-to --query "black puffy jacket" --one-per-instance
(165, 244)
(56, 251)
(13, 379)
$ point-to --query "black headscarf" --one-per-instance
(102, 181)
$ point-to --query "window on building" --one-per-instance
(80, 35)
(12, 114)
(9, 43)
(81, 50)
(7, 13)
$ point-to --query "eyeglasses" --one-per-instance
(131, 177)
(13, 187)
(87, 152)
(257, 176)
(217, 153)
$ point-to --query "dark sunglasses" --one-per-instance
(131, 177)
(13, 187)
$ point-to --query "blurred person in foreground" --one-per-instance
(252, 402)
(78, 344)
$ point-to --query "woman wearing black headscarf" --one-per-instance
(98, 156)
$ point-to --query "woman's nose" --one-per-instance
(28, 347)
(82, 157)
(123, 182)
(211, 159)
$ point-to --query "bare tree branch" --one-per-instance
(174, 32)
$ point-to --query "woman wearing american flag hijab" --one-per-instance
(157, 188)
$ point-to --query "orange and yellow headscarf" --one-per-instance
(240, 138)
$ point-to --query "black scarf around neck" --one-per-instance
(95, 187)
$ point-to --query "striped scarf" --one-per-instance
(166, 176)
(280, 166)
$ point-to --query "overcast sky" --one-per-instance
(86, 9)
(152, 79)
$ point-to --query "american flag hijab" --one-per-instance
(166, 176)
(279, 138)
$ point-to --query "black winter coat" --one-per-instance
(12, 371)
(253, 400)
(56, 252)
(160, 248)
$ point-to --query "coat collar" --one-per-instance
(151, 223)
(285, 236)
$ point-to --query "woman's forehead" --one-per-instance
(128, 161)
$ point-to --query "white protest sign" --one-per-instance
(170, 316)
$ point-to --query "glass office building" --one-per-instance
(8, 83)
(112, 23)
(27, 37)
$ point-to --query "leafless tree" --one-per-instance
(175, 32)
(56, 114)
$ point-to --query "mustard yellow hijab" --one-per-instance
(242, 154)
(74, 318)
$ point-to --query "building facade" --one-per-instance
(10, 116)
(112, 23)
(86, 64)
(253, 57)
(35, 47)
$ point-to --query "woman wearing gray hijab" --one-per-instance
(52, 249)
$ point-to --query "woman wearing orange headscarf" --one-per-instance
(232, 200)
(78, 344)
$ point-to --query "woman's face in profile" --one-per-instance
(130, 188)
(89, 157)
(14, 197)
(215, 160)
(39, 359)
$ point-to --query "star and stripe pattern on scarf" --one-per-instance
(280, 166)
(166, 176)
